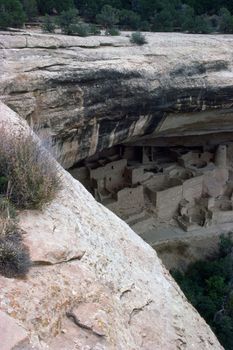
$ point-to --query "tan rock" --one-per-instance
(90, 316)
(12, 336)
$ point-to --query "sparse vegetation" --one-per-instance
(112, 31)
(32, 179)
(14, 258)
(80, 29)
(108, 17)
(14, 255)
(28, 180)
(67, 21)
(48, 25)
(138, 39)
(94, 30)
(208, 285)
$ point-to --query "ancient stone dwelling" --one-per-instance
(192, 186)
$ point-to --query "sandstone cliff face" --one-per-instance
(95, 284)
(92, 93)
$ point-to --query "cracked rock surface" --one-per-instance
(115, 295)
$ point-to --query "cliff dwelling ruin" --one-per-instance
(188, 188)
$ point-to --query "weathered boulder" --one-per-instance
(91, 93)
(116, 296)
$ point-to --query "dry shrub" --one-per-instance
(28, 180)
(138, 38)
(14, 255)
(14, 258)
(31, 174)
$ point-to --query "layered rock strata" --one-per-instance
(91, 93)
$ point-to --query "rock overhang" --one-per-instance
(92, 93)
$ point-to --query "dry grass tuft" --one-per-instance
(31, 175)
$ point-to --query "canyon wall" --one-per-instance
(94, 284)
(91, 93)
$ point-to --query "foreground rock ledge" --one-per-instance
(115, 295)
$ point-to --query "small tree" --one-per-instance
(145, 26)
(108, 17)
(138, 38)
(88, 8)
(54, 6)
(30, 8)
(11, 14)
(130, 19)
(48, 25)
(186, 18)
(164, 20)
(226, 21)
(67, 19)
(201, 25)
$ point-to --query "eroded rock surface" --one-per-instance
(116, 296)
(92, 93)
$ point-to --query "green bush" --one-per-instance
(208, 286)
(112, 31)
(31, 175)
(225, 245)
(80, 29)
(108, 17)
(30, 8)
(94, 30)
(201, 26)
(226, 21)
(11, 14)
(89, 8)
(138, 38)
(48, 25)
(145, 26)
(186, 18)
(67, 20)
(129, 19)
(54, 6)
